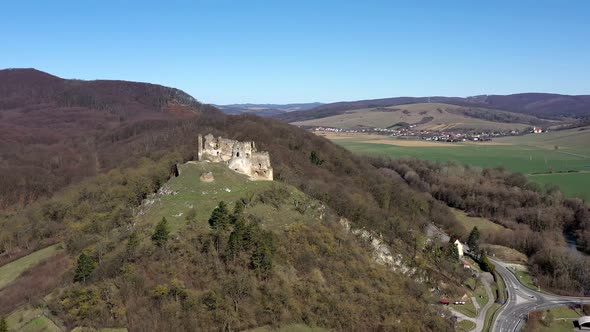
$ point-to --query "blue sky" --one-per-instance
(302, 51)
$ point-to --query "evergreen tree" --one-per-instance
(235, 243)
(452, 252)
(315, 158)
(161, 233)
(261, 258)
(238, 209)
(3, 325)
(473, 241)
(220, 217)
(85, 267)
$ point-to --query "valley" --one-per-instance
(558, 158)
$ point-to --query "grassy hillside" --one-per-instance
(427, 116)
(530, 154)
(12, 270)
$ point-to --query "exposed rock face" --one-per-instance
(241, 157)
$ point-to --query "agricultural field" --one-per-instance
(558, 158)
(426, 116)
(31, 320)
(12, 270)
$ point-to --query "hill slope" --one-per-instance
(543, 105)
(427, 116)
(50, 126)
(293, 263)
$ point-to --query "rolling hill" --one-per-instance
(266, 109)
(542, 105)
(428, 116)
(51, 126)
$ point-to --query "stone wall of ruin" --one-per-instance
(241, 157)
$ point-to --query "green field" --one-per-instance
(30, 320)
(11, 271)
(464, 326)
(530, 154)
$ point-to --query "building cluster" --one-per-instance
(455, 135)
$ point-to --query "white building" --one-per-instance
(459, 246)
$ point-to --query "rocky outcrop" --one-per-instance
(242, 157)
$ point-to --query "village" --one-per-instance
(409, 132)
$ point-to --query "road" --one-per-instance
(522, 300)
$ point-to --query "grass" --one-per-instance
(529, 154)
(480, 295)
(191, 193)
(468, 222)
(490, 316)
(525, 278)
(468, 309)
(506, 254)
(464, 326)
(571, 184)
(563, 320)
(30, 320)
(12, 270)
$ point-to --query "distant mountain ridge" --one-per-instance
(542, 105)
(266, 109)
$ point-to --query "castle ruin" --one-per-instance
(241, 157)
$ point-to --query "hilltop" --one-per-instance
(542, 105)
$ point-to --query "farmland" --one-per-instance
(558, 158)
(427, 116)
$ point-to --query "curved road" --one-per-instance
(522, 300)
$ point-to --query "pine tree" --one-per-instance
(220, 217)
(85, 267)
(238, 209)
(3, 325)
(235, 243)
(161, 233)
(452, 252)
(473, 241)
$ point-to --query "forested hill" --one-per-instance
(28, 87)
(53, 131)
(543, 105)
(93, 184)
